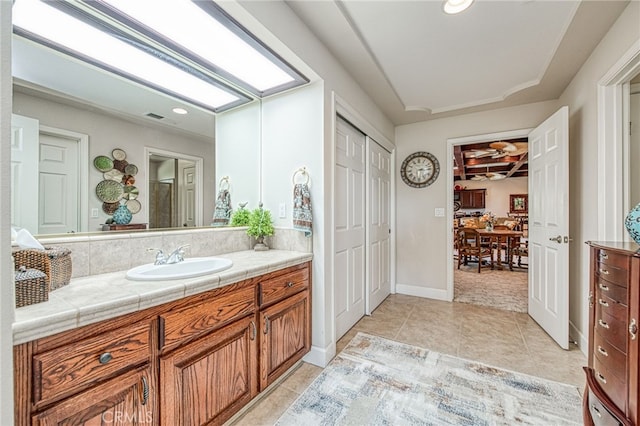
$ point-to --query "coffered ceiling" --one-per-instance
(417, 63)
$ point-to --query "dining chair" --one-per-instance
(470, 247)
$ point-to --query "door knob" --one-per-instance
(557, 239)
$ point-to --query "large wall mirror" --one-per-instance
(102, 113)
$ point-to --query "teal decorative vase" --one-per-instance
(122, 215)
(632, 223)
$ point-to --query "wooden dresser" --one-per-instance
(611, 396)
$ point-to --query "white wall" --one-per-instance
(107, 132)
(497, 195)
(238, 153)
(422, 237)
(7, 298)
(581, 97)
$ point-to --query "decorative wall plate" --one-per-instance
(130, 192)
(131, 169)
(120, 165)
(128, 180)
(119, 154)
(109, 208)
(103, 163)
(109, 191)
(134, 206)
(113, 174)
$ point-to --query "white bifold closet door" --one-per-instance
(361, 226)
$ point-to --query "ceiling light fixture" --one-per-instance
(452, 7)
(105, 48)
(180, 111)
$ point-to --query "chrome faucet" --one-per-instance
(177, 255)
(160, 259)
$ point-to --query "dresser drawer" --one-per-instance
(610, 384)
(185, 323)
(610, 357)
(608, 306)
(612, 329)
(611, 258)
(613, 273)
(280, 287)
(612, 291)
(600, 415)
(73, 366)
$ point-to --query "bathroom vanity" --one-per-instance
(194, 351)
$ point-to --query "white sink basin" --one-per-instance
(188, 268)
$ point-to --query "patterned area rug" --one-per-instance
(505, 290)
(375, 381)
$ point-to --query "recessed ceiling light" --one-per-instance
(180, 111)
(456, 6)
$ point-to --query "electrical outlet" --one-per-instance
(282, 211)
(94, 213)
(439, 212)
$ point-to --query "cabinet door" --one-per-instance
(477, 199)
(210, 379)
(286, 336)
(125, 400)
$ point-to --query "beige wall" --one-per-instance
(581, 97)
(422, 238)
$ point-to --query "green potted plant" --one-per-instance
(241, 216)
(260, 226)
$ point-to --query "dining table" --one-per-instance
(498, 236)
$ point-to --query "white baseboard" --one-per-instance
(319, 356)
(583, 342)
(426, 292)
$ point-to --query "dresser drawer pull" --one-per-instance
(603, 303)
(604, 272)
(601, 377)
(289, 284)
(603, 324)
(633, 329)
(604, 255)
(595, 410)
(105, 358)
(603, 287)
(603, 351)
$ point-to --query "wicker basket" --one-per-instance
(55, 262)
(31, 287)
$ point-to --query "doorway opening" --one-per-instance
(490, 222)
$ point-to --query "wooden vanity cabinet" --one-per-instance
(285, 322)
(194, 361)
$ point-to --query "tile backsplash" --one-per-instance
(110, 252)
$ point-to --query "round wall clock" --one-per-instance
(420, 169)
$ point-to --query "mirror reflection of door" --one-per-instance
(634, 142)
(171, 192)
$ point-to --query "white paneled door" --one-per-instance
(349, 227)
(24, 172)
(549, 226)
(187, 198)
(378, 217)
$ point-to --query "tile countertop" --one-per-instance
(94, 298)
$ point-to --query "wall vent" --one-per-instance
(156, 116)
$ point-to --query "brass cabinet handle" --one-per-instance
(633, 329)
(601, 377)
(105, 358)
(604, 271)
(595, 410)
(254, 331)
(603, 324)
(603, 287)
(603, 255)
(289, 284)
(266, 325)
(145, 391)
(603, 351)
(603, 303)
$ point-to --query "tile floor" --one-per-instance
(504, 339)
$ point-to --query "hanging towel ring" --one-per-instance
(303, 172)
(225, 179)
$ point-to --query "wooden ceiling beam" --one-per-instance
(459, 161)
(523, 159)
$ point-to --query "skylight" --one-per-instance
(206, 34)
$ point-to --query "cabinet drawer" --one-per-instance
(185, 323)
(610, 258)
(610, 384)
(612, 274)
(608, 306)
(73, 366)
(599, 413)
(610, 357)
(612, 291)
(612, 329)
(283, 286)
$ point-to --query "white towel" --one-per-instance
(302, 218)
(222, 212)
